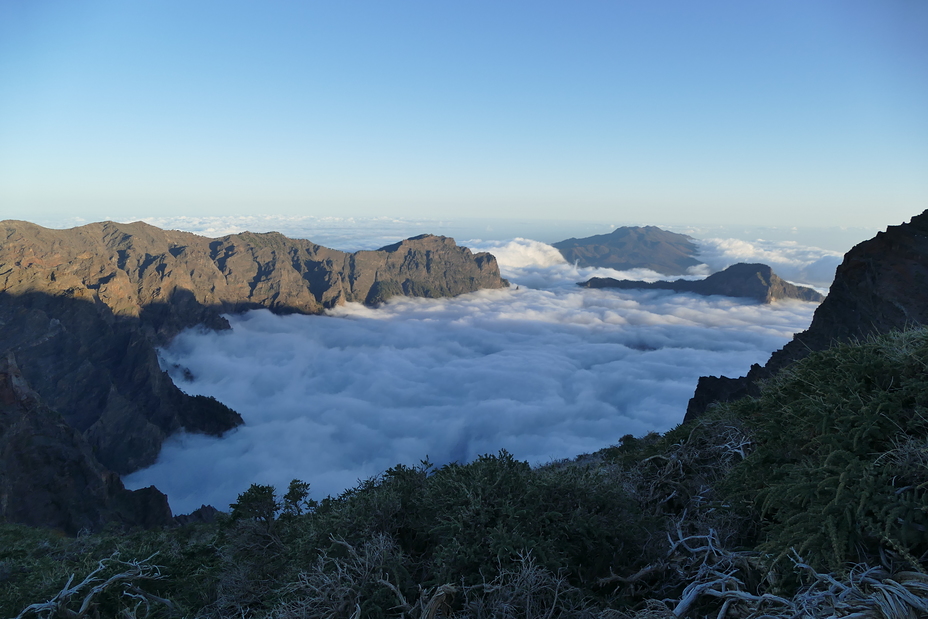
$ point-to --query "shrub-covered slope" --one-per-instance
(879, 286)
(810, 500)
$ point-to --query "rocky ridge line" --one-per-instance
(48, 474)
(755, 281)
(882, 285)
(83, 310)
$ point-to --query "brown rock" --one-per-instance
(172, 280)
(83, 309)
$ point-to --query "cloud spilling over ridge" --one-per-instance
(353, 233)
(546, 374)
(345, 233)
(793, 262)
(538, 265)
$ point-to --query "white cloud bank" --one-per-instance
(546, 371)
(793, 262)
(538, 265)
(345, 233)
(546, 374)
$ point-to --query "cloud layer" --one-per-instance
(545, 373)
(545, 369)
(539, 265)
(793, 262)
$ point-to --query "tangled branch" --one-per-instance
(61, 605)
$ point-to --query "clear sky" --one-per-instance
(784, 112)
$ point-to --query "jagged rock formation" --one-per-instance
(101, 373)
(48, 474)
(755, 281)
(83, 310)
(172, 280)
(635, 247)
(881, 285)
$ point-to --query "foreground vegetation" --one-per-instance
(811, 500)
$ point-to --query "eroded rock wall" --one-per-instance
(83, 310)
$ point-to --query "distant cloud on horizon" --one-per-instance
(540, 265)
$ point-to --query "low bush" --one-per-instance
(839, 470)
(810, 500)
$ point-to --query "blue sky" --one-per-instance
(765, 113)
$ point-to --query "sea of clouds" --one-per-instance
(544, 369)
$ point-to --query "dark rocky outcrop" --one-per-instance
(755, 281)
(881, 285)
(627, 247)
(204, 514)
(48, 474)
(84, 309)
(101, 373)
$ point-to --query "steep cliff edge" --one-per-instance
(48, 474)
(881, 285)
(172, 280)
(754, 281)
(83, 310)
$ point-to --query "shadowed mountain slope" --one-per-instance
(881, 285)
(83, 310)
(48, 474)
(636, 247)
(755, 281)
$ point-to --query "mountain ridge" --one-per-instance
(83, 309)
(754, 280)
(880, 286)
(633, 247)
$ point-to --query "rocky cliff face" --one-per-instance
(754, 281)
(633, 247)
(881, 285)
(48, 474)
(101, 373)
(83, 310)
(172, 280)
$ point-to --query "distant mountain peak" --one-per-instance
(633, 247)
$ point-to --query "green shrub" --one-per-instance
(836, 473)
(39, 562)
